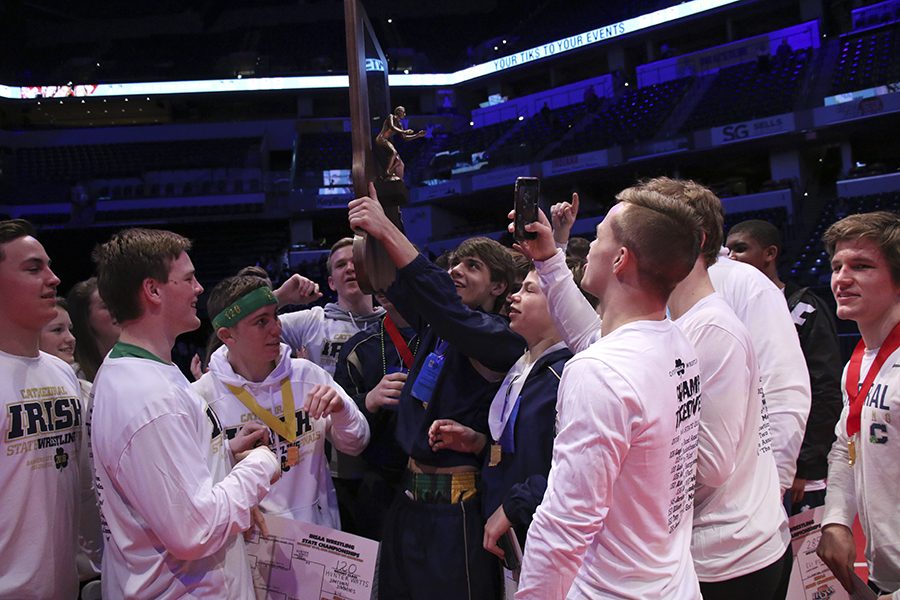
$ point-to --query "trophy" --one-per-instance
(377, 162)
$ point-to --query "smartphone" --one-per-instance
(512, 551)
(528, 191)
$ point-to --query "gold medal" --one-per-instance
(293, 456)
(851, 451)
(496, 455)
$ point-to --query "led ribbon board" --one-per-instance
(253, 84)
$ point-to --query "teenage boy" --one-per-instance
(760, 306)
(616, 518)
(322, 332)
(372, 368)
(864, 463)
(522, 421)
(740, 541)
(432, 540)
(41, 425)
(172, 511)
(252, 378)
(758, 244)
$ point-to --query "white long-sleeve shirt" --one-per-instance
(760, 305)
(615, 521)
(575, 318)
(305, 490)
(172, 510)
(739, 523)
(870, 486)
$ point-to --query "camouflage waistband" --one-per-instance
(441, 488)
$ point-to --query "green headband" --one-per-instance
(243, 306)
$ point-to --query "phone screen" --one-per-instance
(528, 191)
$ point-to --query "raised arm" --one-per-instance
(575, 318)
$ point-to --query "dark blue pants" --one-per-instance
(434, 552)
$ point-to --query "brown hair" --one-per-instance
(498, 260)
(881, 227)
(576, 266)
(256, 271)
(341, 243)
(130, 257)
(87, 351)
(662, 232)
(522, 266)
(13, 229)
(704, 202)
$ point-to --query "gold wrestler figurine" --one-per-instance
(391, 126)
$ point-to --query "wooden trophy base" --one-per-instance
(375, 271)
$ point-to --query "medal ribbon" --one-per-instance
(507, 438)
(856, 395)
(406, 354)
(286, 428)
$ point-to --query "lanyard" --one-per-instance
(856, 394)
(507, 438)
(286, 428)
(399, 343)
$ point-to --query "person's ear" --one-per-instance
(150, 291)
(226, 336)
(624, 257)
(497, 288)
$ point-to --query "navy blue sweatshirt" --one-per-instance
(426, 297)
(364, 360)
(519, 481)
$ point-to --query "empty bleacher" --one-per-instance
(867, 60)
(750, 90)
(83, 162)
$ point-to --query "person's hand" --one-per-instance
(563, 215)
(257, 522)
(540, 248)
(297, 290)
(196, 367)
(798, 490)
(386, 393)
(322, 401)
(248, 437)
(837, 550)
(446, 434)
(497, 525)
(366, 213)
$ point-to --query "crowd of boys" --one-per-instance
(648, 445)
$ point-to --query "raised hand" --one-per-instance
(297, 290)
(562, 216)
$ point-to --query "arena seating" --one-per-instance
(811, 265)
(749, 91)
(867, 60)
(83, 162)
(636, 115)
